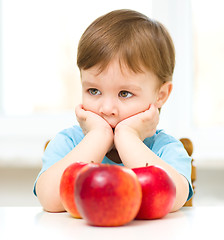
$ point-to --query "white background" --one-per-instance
(39, 40)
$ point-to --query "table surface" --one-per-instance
(34, 223)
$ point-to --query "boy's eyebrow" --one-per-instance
(131, 86)
(124, 87)
(88, 83)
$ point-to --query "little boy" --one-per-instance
(126, 62)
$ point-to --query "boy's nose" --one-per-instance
(108, 108)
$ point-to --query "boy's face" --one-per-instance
(117, 94)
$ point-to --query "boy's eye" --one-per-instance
(125, 94)
(94, 91)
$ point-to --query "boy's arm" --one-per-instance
(134, 153)
(98, 133)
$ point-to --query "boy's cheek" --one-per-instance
(87, 102)
(87, 106)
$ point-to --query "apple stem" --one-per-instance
(146, 164)
(92, 161)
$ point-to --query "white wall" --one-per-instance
(22, 138)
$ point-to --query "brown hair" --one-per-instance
(137, 40)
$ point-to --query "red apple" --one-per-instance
(107, 195)
(67, 186)
(158, 192)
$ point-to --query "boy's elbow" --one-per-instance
(48, 200)
(53, 209)
(181, 195)
(177, 206)
(51, 205)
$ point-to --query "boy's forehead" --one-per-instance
(116, 64)
(119, 77)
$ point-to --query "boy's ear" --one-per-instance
(163, 94)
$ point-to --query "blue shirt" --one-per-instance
(163, 145)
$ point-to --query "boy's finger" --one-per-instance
(80, 112)
(153, 109)
(151, 112)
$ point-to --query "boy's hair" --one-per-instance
(138, 41)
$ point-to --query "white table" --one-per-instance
(187, 223)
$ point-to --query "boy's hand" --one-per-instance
(143, 124)
(91, 121)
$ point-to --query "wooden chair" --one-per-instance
(189, 148)
(45, 146)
